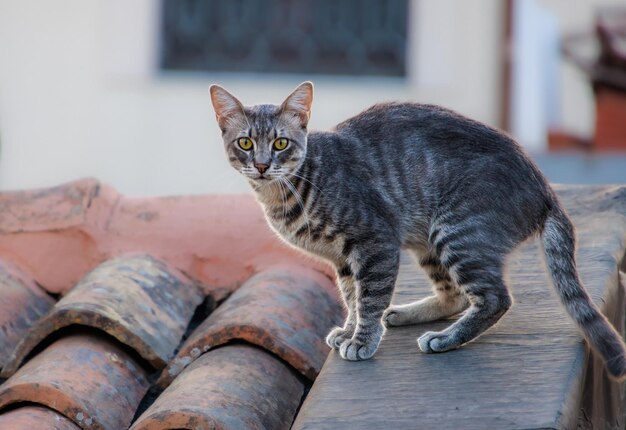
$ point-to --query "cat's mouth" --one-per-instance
(263, 177)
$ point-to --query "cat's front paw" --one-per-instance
(337, 336)
(394, 316)
(355, 350)
(433, 341)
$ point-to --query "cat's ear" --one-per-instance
(228, 109)
(299, 102)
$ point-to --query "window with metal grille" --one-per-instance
(337, 37)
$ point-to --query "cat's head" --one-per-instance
(264, 142)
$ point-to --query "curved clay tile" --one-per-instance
(35, 418)
(22, 303)
(139, 300)
(287, 311)
(52, 208)
(49, 230)
(88, 379)
(233, 387)
(63, 232)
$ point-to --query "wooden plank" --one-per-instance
(525, 373)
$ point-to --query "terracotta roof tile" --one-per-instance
(59, 234)
(139, 300)
(35, 418)
(286, 311)
(22, 303)
(233, 387)
(90, 357)
(45, 209)
(89, 379)
(48, 231)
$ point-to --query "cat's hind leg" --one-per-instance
(347, 286)
(448, 300)
(480, 278)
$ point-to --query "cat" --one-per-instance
(456, 193)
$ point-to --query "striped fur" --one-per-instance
(456, 193)
(559, 244)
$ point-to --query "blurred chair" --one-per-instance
(606, 71)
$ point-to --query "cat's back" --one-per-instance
(438, 147)
(432, 123)
(429, 131)
(398, 112)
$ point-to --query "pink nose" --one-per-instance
(261, 167)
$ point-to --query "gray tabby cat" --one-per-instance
(456, 193)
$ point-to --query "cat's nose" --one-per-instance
(261, 167)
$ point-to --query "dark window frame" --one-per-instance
(327, 37)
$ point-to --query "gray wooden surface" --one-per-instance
(527, 372)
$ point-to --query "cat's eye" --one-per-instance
(245, 143)
(281, 143)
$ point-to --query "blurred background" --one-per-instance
(117, 89)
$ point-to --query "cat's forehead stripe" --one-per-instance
(263, 118)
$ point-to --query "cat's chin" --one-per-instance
(261, 181)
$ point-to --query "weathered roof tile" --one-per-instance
(35, 418)
(88, 379)
(22, 303)
(63, 232)
(233, 387)
(286, 311)
(137, 299)
(50, 208)
(246, 366)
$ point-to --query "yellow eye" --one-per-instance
(281, 143)
(245, 143)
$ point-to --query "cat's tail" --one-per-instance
(559, 247)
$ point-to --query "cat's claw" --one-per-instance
(337, 336)
(355, 350)
(433, 341)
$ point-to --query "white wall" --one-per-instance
(78, 96)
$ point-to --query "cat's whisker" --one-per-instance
(304, 179)
(299, 202)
